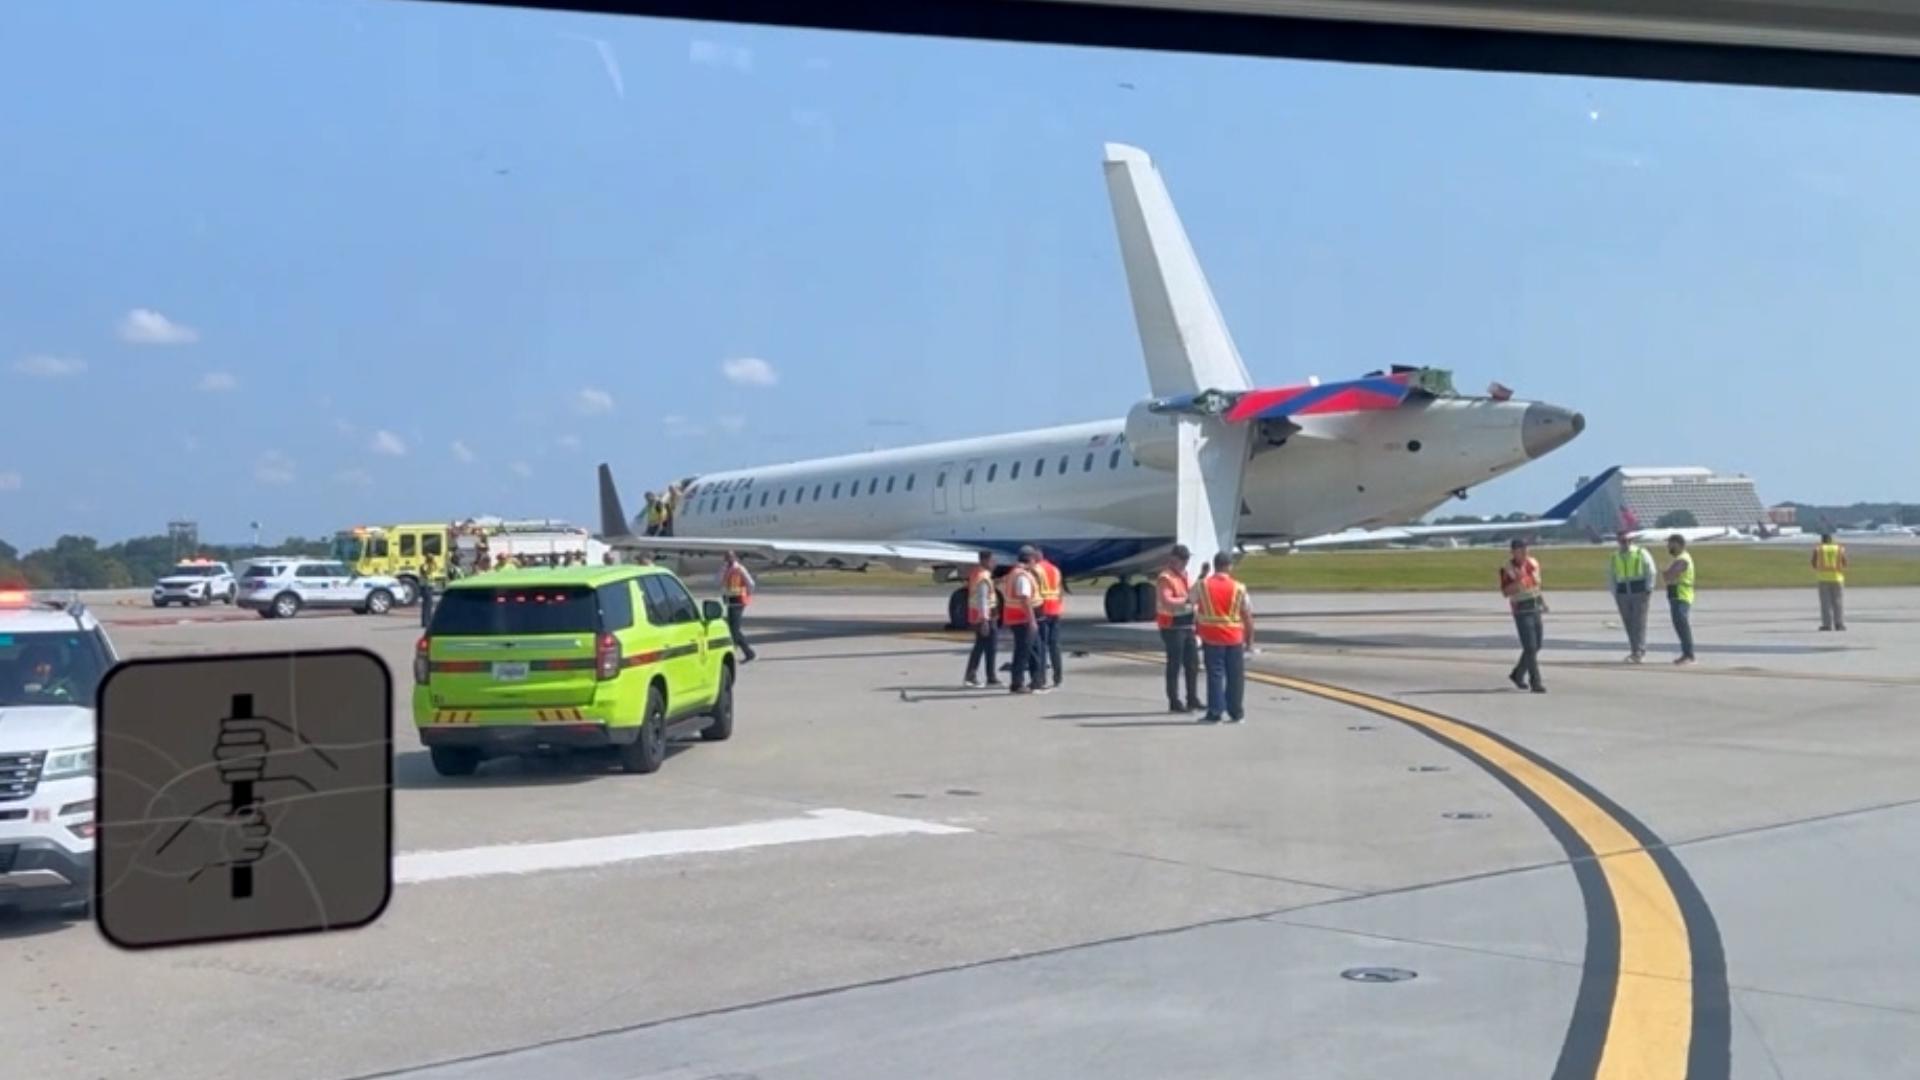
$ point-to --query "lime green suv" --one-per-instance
(605, 657)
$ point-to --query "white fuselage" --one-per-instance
(1078, 492)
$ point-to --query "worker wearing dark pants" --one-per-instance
(427, 570)
(1053, 604)
(1679, 578)
(1224, 619)
(1021, 608)
(1173, 613)
(986, 634)
(736, 585)
(1520, 584)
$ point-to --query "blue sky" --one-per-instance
(315, 263)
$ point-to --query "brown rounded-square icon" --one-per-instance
(243, 796)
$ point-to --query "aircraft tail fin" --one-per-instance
(1568, 506)
(1182, 333)
(613, 518)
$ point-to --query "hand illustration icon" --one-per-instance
(214, 837)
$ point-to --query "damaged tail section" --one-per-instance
(613, 517)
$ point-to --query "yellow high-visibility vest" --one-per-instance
(1827, 569)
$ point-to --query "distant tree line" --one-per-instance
(79, 562)
(1869, 515)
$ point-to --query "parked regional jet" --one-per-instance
(1207, 459)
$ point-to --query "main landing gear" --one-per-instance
(1130, 601)
(1126, 601)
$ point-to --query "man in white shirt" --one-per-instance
(1631, 575)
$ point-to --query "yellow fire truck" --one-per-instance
(399, 551)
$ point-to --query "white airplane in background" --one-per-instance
(1207, 460)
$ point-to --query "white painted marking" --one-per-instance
(416, 866)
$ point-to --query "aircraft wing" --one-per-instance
(796, 554)
(1557, 515)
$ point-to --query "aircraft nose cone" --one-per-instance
(1546, 428)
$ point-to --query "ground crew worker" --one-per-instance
(1830, 570)
(1053, 604)
(429, 569)
(1631, 574)
(656, 514)
(1173, 613)
(1224, 618)
(1679, 578)
(1520, 584)
(1020, 607)
(672, 509)
(986, 635)
(736, 585)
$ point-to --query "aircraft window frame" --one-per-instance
(967, 478)
(909, 481)
(817, 488)
(836, 489)
(782, 500)
(1014, 473)
(730, 499)
(1039, 468)
(1113, 459)
(890, 481)
(763, 499)
(1066, 460)
(873, 485)
(940, 479)
(853, 489)
(1088, 467)
(993, 469)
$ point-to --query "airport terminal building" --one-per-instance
(1723, 499)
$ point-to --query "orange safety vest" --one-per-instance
(736, 585)
(975, 614)
(1524, 582)
(1015, 611)
(1052, 603)
(1216, 611)
(1169, 582)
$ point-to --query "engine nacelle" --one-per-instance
(1153, 437)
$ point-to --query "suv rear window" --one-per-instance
(478, 612)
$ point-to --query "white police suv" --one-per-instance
(53, 655)
(282, 588)
(196, 582)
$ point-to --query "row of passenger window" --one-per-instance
(711, 501)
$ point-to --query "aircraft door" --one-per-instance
(939, 486)
(968, 477)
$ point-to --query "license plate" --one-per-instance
(514, 671)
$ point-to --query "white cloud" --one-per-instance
(217, 382)
(679, 427)
(749, 371)
(353, 478)
(719, 54)
(144, 326)
(387, 443)
(520, 469)
(273, 467)
(344, 426)
(11, 480)
(732, 425)
(568, 442)
(593, 402)
(50, 367)
(461, 453)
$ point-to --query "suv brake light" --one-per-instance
(421, 668)
(606, 658)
